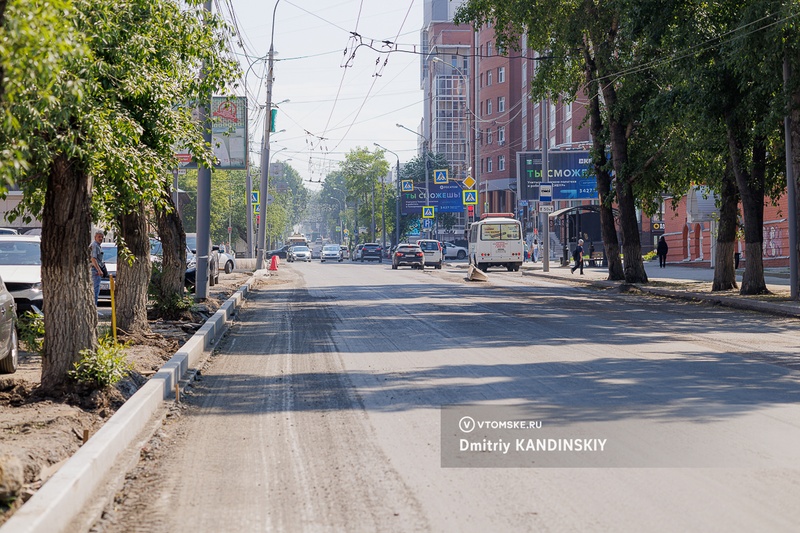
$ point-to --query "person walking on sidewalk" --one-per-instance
(577, 255)
(661, 251)
(97, 265)
(535, 250)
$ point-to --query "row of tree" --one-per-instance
(94, 95)
(681, 93)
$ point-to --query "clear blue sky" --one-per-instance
(333, 109)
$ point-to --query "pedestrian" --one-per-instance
(526, 254)
(577, 255)
(661, 251)
(591, 254)
(98, 266)
(535, 250)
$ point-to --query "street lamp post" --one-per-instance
(397, 204)
(425, 149)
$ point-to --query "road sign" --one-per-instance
(427, 223)
(407, 185)
(440, 176)
(469, 182)
(346, 231)
(470, 197)
(523, 203)
(427, 211)
(545, 192)
(256, 209)
(545, 208)
(254, 197)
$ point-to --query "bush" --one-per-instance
(31, 331)
(649, 256)
(104, 367)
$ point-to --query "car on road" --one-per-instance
(299, 252)
(21, 269)
(331, 252)
(357, 252)
(433, 252)
(282, 252)
(372, 251)
(454, 251)
(9, 343)
(408, 255)
(345, 252)
(227, 260)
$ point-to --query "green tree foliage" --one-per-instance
(362, 171)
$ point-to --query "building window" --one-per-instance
(552, 117)
(489, 50)
(501, 104)
(481, 80)
(501, 74)
(537, 126)
(488, 164)
(553, 141)
(501, 162)
(501, 135)
(568, 135)
(489, 135)
(568, 111)
(488, 107)
(488, 78)
(481, 166)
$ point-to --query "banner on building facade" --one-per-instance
(569, 172)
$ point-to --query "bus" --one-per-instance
(496, 240)
(297, 238)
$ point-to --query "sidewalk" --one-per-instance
(686, 283)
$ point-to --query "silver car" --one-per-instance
(21, 269)
(331, 252)
(299, 253)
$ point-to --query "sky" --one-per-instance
(342, 93)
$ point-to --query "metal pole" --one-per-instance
(427, 190)
(383, 214)
(791, 186)
(544, 217)
(372, 229)
(248, 192)
(203, 196)
(397, 204)
(264, 188)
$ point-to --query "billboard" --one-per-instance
(445, 198)
(228, 134)
(569, 172)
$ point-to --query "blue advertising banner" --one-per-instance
(445, 198)
(569, 172)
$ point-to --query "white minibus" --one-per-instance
(496, 240)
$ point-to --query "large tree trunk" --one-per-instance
(133, 278)
(795, 136)
(607, 225)
(751, 189)
(724, 271)
(70, 316)
(169, 286)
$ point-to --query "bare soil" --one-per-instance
(43, 432)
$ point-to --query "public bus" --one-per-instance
(496, 240)
(297, 238)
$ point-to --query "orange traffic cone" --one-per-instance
(273, 264)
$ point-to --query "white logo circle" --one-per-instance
(466, 424)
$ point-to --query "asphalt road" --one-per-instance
(322, 412)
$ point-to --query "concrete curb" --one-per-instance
(62, 498)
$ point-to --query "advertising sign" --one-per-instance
(228, 135)
(444, 198)
(569, 173)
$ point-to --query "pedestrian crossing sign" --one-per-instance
(408, 186)
(470, 196)
(440, 176)
(254, 197)
(427, 211)
(256, 209)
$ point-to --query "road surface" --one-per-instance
(321, 411)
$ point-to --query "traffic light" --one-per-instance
(470, 209)
(272, 115)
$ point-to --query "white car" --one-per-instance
(21, 269)
(227, 262)
(433, 252)
(110, 260)
(454, 251)
(332, 252)
(299, 253)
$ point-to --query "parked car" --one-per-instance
(408, 255)
(454, 251)
(372, 251)
(213, 257)
(21, 269)
(299, 253)
(433, 252)
(110, 260)
(9, 343)
(156, 253)
(227, 260)
(357, 252)
(8, 231)
(331, 252)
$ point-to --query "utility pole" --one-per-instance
(544, 217)
(791, 186)
(264, 185)
(203, 196)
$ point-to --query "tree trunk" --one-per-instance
(170, 283)
(751, 190)
(607, 225)
(70, 315)
(133, 278)
(795, 135)
(724, 271)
